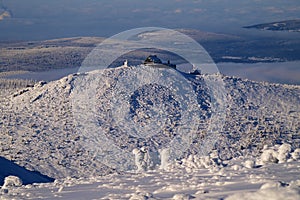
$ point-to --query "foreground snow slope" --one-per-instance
(233, 182)
(38, 130)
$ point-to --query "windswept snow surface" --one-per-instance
(233, 181)
(41, 131)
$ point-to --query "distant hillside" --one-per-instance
(288, 25)
(70, 52)
(45, 55)
(39, 131)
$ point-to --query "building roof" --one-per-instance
(152, 59)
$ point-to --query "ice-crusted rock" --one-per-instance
(12, 181)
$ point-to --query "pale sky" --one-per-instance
(47, 19)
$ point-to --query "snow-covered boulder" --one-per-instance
(271, 184)
(236, 167)
(12, 181)
(249, 164)
(141, 196)
(183, 197)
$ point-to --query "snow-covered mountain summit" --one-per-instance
(43, 130)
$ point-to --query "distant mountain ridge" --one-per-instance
(287, 25)
(70, 52)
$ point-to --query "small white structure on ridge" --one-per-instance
(125, 64)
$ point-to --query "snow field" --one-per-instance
(270, 181)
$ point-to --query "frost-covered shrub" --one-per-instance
(140, 162)
(153, 159)
(15, 83)
(279, 154)
(205, 161)
(296, 154)
(12, 181)
(145, 159)
(164, 158)
(269, 156)
(284, 152)
(196, 161)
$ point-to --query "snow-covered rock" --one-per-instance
(12, 181)
(249, 164)
(271, 184)
(182, 197)
(141, 196)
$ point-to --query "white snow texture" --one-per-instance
(256, 155)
